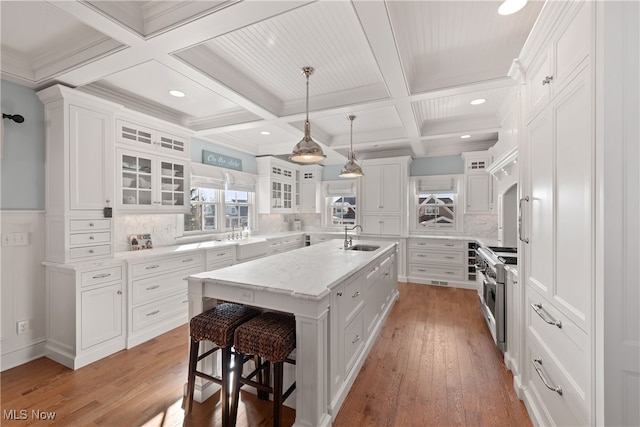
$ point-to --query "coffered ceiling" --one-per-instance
(407, 69)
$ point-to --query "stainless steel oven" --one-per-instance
(490, 275)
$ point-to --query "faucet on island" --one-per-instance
(348, 240)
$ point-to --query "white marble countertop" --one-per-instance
(307, 273)
(173, 249)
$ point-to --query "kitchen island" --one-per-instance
(340, 299)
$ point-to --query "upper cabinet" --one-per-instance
(276, 185)
(479, 186)
(151, 139)
(152, 169)
(308, 192)
(383, 195)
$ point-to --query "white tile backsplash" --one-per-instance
(276, 223)
(481, 225)
(161, 227)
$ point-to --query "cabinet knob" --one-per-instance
(90, 251)
(547, 80)
(339, 294)
(91, 224)
(91, 238)
(119, 292)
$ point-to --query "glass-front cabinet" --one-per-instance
(150, 183)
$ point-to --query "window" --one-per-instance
(437, 210)
(340, 203)
(435, 203)
(203, 210)
(343, 210)
(237, 208)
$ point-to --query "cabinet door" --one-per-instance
(390, 189)
(478, 193)
(372, 191)
(174, 185)
(101, 314)
(135, 172)
(91, 159)
(309, 198)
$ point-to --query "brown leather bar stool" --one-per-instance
(218, 326)
(271, 336)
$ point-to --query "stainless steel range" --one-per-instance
(490, 278)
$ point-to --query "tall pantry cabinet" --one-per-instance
(558, 216)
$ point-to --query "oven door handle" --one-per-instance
(520, 226)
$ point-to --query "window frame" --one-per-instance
(347, 189)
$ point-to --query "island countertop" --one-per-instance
(308, 273)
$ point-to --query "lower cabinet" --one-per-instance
(158, 294)
(359, 306)
(438, 262)
(85, 312)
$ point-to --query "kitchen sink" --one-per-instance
(364, 248)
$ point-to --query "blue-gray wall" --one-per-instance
(22, 166)
(442, 165)
(248, 161)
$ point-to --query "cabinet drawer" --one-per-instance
(441, 257)
(353, 342)
(564, 410)
(94, 277)
(76, 225)
(152, 288)
(293, 240)
(436, 272)
(150, 314)
(220, 255)
(568, 344)
(83, 239)
(437, 244)
(352, 300)
(89, 251)
(154, 267)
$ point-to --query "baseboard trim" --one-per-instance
(23, 355)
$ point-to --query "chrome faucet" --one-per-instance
(348, 240)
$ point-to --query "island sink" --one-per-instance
(364, 248)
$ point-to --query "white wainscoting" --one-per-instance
(23, 289)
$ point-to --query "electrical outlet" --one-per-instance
(22, 326)
(6, 239)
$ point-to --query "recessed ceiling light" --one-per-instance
(465, 136)
(264, 132)
(478, 101)
(176, 93)
(509, 7)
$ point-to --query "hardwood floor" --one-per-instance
(434, 364)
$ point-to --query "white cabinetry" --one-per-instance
(558, 212)
(276, 180)
(383, 196)
(515, 331)
(308, 189)
(479, 187)
(85, 313)
(147, 182)
(358, 308)
(79, 166)
(158, 294)
(438, 262)
(151, 139)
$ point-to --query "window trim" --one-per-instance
(341, 188)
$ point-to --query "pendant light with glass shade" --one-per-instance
(351, 169)
(307, 150)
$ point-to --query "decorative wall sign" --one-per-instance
(215, 159)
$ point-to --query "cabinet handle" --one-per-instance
(547, 80)
(356, 295)
(422, 270)
(520, 227)
(153, 313)
(92, 238)
(537, 364)
(151, 267)
(449, 272)
(356, 339)
(185, 301)
(119, 292)
(339, 294)
(91, 224)
(101, 276)
(449, 257)
(90, 251)
(422, 244)
(538, 307)
(421, 255)
(449, 245)
(150, 288)
(221, 254)
(187, 260)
